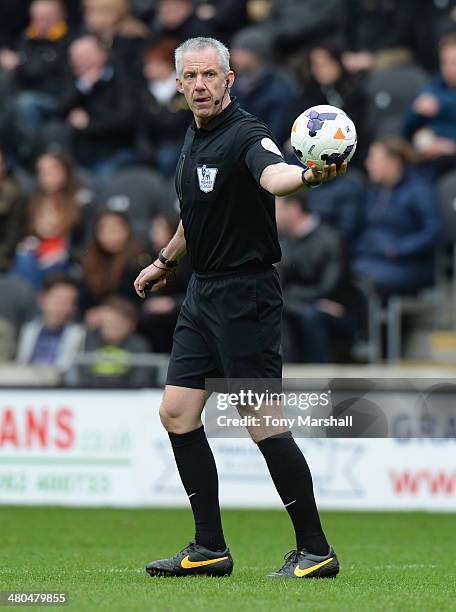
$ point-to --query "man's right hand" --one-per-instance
(156, 274)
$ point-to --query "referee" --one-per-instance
(229, 325)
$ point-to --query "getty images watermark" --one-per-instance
(258, 403)
(338, 408)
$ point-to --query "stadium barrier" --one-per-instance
(107, 448)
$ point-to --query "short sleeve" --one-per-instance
(257, 148)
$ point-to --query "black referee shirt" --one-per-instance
(228, 218)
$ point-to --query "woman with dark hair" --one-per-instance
(110, 263)
(395, 250)
(325, 80)
(53, 218)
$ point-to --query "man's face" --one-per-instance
(44, 15)
(85, 56)
(448, 65)
(115, 327)
(58, 305)
(203, 83)
(173, 13)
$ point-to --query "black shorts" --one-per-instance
(228, 327)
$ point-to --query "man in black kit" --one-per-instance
(228, 173)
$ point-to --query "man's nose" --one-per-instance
(200, 84)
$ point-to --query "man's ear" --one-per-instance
(230, 78)
(179, 86)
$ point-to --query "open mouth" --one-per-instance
(202, 100)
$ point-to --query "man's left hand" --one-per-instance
(327, 173)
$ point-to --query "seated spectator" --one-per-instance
(163, 116)
(328, 82)
(431, 122)
(40, 66)
(12, 215)
(112, 345)
(374, 31)
(395, 250)
(53, 219)
(160, 310)
(177, 19)
(99, 110)
(110, 264)
(53, 338)
(120, 33)
(261, 90)
(319, 300)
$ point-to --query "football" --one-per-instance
(322, 135)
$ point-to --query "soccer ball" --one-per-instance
(322, 135)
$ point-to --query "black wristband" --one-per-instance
(306, 182)
(169, 263)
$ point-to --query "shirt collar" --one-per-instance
(220, 118)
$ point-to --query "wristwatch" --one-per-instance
(306, 182)
(168, 263)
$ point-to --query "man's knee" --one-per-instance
(179, 419)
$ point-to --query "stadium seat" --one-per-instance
(390, 92)
(140, 193)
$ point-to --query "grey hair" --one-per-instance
(198, 44)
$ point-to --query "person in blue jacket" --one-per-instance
(395, 250)
(431, 121)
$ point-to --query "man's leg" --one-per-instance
(180, 414)
(293, 481)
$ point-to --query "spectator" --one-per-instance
(160, 311)
(164, 116)
(317, 290)
(396, 247)
(99, 110)
(177, 19)
(120, 33)
(112, 345)
(328, 82)
(54, 338)
(40, 67)
(375, 30)
(54, 219)
(12, 215)
(110, 263)
(261, 90)
(431, 122)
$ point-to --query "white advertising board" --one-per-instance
(107, 448)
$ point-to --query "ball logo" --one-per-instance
(206, 178)
(316, 120)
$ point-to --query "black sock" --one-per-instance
(293, 481)
(198, 473)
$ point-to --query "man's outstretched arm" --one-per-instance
(283, 179)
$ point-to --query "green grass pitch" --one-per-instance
(390, 561)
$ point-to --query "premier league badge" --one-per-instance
(206, 178)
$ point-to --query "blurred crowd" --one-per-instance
(90, 132)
